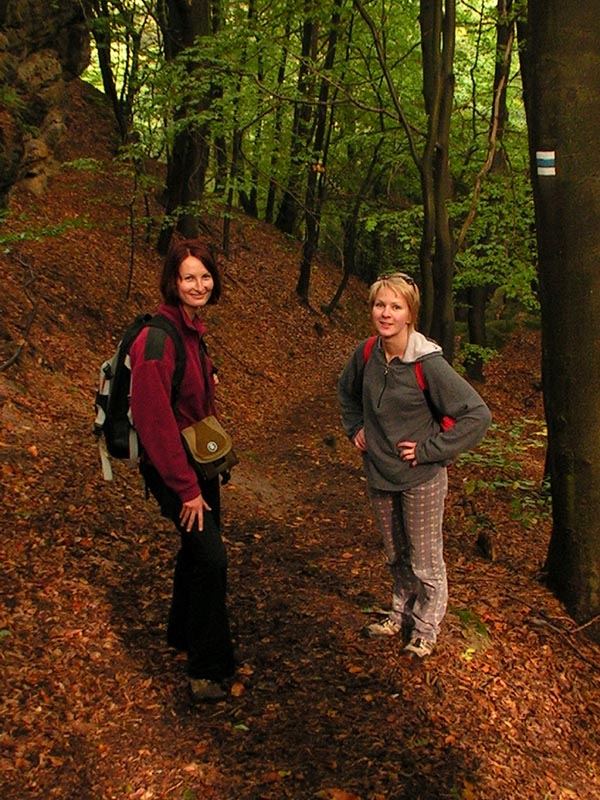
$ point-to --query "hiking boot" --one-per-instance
(205, 691)
(380, 629)
(419, 647)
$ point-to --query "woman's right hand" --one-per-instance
(192, 511)
(360, 440)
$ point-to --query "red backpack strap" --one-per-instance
(420, 377)
(368, 349)
(444, 420)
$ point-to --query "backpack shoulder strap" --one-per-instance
(420, 376)
(368, 349)
(444, 420)
(131, 333)
(161, 323)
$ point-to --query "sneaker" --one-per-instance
(205, 691)
(419, 647)
(386, 628)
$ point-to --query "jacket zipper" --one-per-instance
(385, 374)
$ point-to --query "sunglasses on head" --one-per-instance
(406, 278)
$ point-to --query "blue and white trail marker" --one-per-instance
(546, 162)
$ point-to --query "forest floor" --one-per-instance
(93, 702)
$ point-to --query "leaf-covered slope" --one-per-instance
(94, 702)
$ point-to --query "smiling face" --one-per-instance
(194, 285)
(391, 314)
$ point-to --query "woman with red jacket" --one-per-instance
(198, 619)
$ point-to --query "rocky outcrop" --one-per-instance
(43, 46)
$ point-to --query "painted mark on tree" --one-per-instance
(546, 162)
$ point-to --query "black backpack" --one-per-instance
(113, 425)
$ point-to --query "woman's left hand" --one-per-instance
(192, 513)
(360, 440)
(406, 451)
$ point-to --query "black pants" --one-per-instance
(198, 619)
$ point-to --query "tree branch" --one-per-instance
(491, 149)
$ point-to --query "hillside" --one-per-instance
(93, 702)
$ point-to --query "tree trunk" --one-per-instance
(102, 13)
(181, 24)
(313, 200)
(101, 32)
(477, 297)
(275, 154)
(505, 31)
(563, 81)
(437, 20)
(287, 218)
(351, 228)
(496, 166)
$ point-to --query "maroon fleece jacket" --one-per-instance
(157, 423)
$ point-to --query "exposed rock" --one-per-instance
(43, 46)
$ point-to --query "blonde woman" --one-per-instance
(395, 424)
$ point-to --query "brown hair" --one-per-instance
(179, 250)
(403, 285)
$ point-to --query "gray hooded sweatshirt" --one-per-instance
(387, 401)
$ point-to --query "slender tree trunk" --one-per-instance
(122, 104)
(236, 147)
(496, 166)
(275, 155)
(287, 218)
(563, 82)
(236, 153)
(437, 19)
(249, 199)
(314, 190)
(505, 33)
(350, 224)
(101, 32)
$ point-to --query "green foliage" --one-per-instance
(399, 232)
(472, 353)
(38, 233)
(501, 251)
(239, 87)
(500, 458)
(471, 621)
(85, 164)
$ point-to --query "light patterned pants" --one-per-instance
(411, 526)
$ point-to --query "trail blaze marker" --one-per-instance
(546, 162)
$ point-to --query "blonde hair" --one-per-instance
(403, 285)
